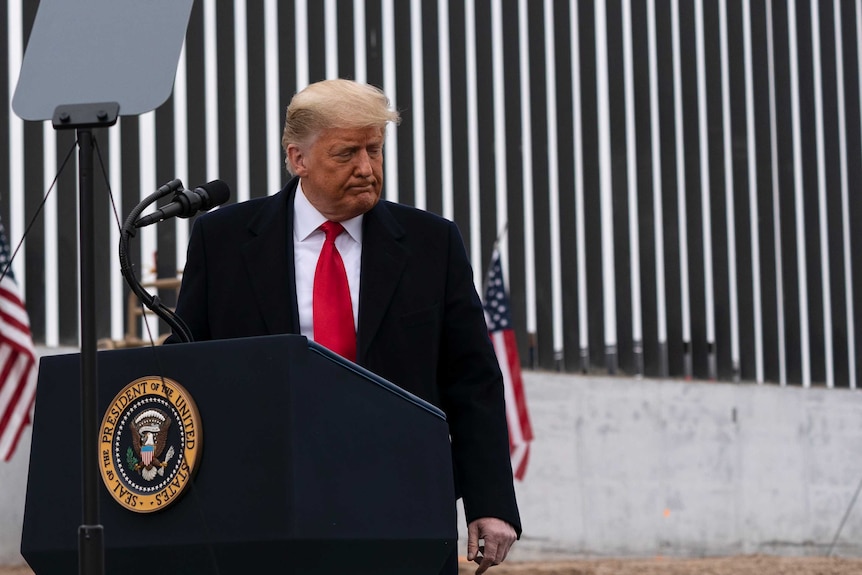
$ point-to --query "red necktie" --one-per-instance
(333, 310)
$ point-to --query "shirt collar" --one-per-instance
(307, 220)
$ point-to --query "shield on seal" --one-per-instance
(147, 453)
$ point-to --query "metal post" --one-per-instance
(91, 553)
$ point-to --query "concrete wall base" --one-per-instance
(640, 468)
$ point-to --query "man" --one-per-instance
(252, 271)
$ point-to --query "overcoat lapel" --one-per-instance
(383, 261)
(269, 262)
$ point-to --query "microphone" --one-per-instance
(187, 203)
(172, 186)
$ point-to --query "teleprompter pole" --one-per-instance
(91, 544)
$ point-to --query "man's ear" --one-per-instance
(296, 158)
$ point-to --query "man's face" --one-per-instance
(342, 171)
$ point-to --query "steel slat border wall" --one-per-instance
(675, 179)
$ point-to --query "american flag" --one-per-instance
(499, 318)
(17, 360)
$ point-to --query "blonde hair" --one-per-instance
(334, 104)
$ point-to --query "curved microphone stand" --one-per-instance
(127, 269)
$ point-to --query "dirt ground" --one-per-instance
(742, 565)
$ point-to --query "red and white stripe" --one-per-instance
(17, 369)
(520, 429)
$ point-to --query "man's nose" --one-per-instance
(363, 163)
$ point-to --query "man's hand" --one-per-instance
(498, 537)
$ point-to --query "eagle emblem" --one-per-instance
(150, 444)
(149, 436)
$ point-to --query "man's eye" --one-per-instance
(375, 152)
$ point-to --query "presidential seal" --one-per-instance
(150, 444)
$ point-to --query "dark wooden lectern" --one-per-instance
(311, 465)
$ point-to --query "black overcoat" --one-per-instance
(421, 323)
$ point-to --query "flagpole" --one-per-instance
(501, 234)
(496, 247)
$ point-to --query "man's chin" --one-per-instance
(369, 197)
(361, 204)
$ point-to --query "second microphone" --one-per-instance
(187, 203)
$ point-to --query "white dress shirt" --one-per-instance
(307, 243)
